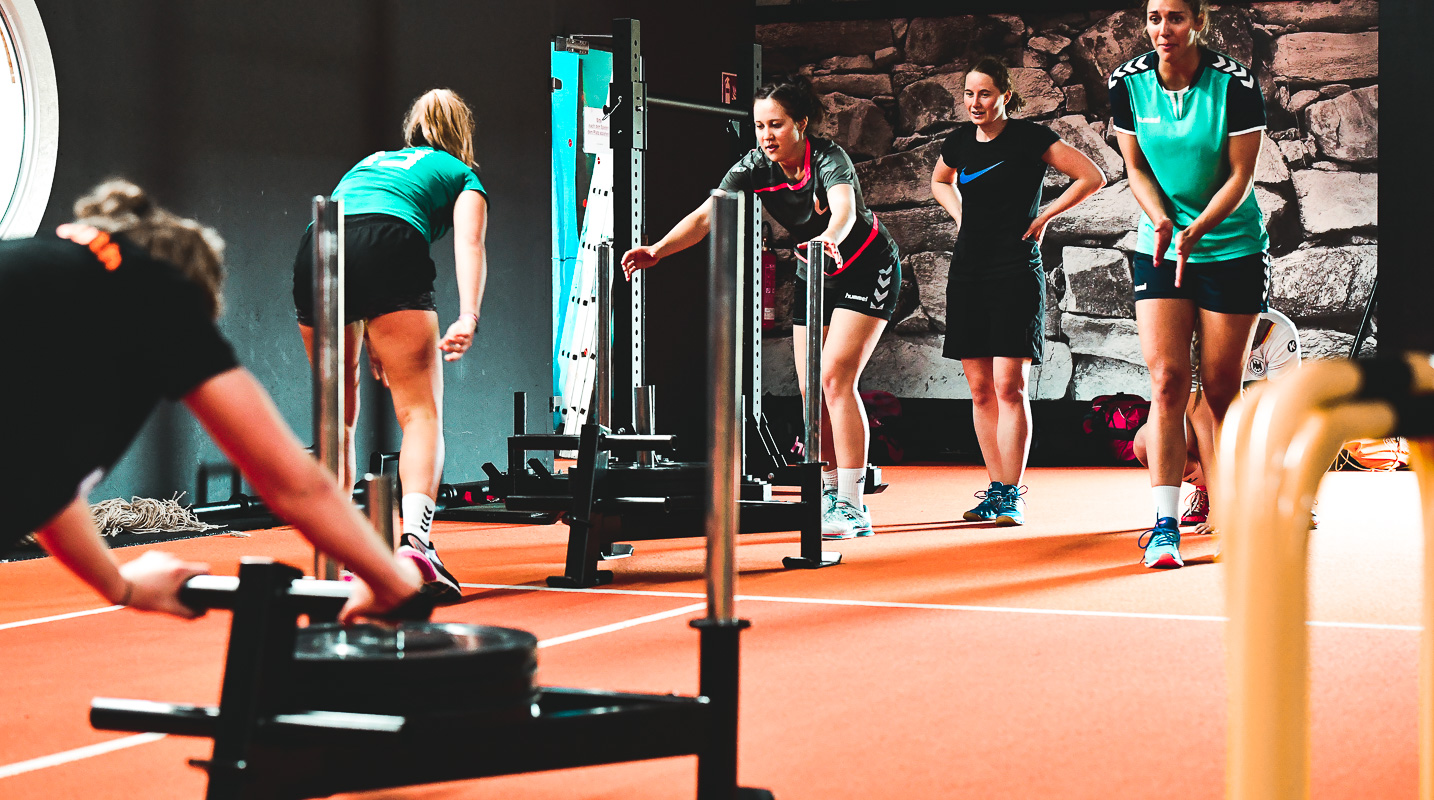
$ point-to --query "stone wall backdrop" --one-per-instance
(892, 89)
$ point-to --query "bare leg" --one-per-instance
(406, 343)
(985, 412)
(1013, 427)
(850, 340)
(1224, 346)
(1165, 326)
(353, 345)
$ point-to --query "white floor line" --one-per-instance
(617, 626)
(625, 592)
(56, 618)
(79, 753)
(944, 607)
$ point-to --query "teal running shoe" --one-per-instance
(1011, 510)
(990, 503)
(1162, 544)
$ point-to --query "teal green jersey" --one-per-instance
(416, 184)
(1185, 138)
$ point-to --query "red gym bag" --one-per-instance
(1113, 419)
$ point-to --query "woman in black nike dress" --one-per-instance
(989, 180)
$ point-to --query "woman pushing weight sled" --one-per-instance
(140, 292)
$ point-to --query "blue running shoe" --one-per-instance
(1162, 544)
(1011, 510)
(990, 502)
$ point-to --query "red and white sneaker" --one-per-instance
(1197, 509)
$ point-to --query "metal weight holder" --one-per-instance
(1274, 447)
(816, 274)
(327, 356)
(269, 745)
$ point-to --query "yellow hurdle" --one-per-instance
(1274, 448)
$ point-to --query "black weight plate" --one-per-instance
(416, 668)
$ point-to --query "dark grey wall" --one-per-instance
(237, 114)
(1406, 284)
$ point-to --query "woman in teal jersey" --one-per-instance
(396, 204)
(1189, 123)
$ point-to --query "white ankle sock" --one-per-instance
(417, 514)
(1167, 501)
(829, 479)
(849, 485)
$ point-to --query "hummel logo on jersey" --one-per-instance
(851, 296)
(965, 178)
(1148, 120)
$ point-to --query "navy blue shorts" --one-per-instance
(386, 268)
(1002, 316)
(1237, 286)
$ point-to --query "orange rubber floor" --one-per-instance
(941, 659)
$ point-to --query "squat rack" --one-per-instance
(629, 103)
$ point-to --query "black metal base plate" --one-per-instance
(829, 559)
(602, 578)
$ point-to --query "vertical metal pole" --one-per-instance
(628, 96)
(721, 630)
(603, 384)
(328, 350)
(644, 418)
(724, 454)
(816, 273)
(378, 494)
(753, 385)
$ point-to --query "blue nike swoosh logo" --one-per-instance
(973, 176)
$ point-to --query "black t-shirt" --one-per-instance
(1000, 185)
(801, 206)
(93, 343)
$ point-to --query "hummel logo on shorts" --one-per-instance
(851, 296)
(1141, 287)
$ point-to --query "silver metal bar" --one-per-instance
(328, 349)
(644, 418)
(816, 272)
(382, 513)
(724, 454)
(603, 385)
(638, 282)
(754, 398)
(730, 112)
(754, 343)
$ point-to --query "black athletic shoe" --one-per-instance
(425, 556)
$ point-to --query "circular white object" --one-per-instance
(29, 119)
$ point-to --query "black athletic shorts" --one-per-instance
(872, 293)
(386, 268)
(1237, 286)
(997, 317)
